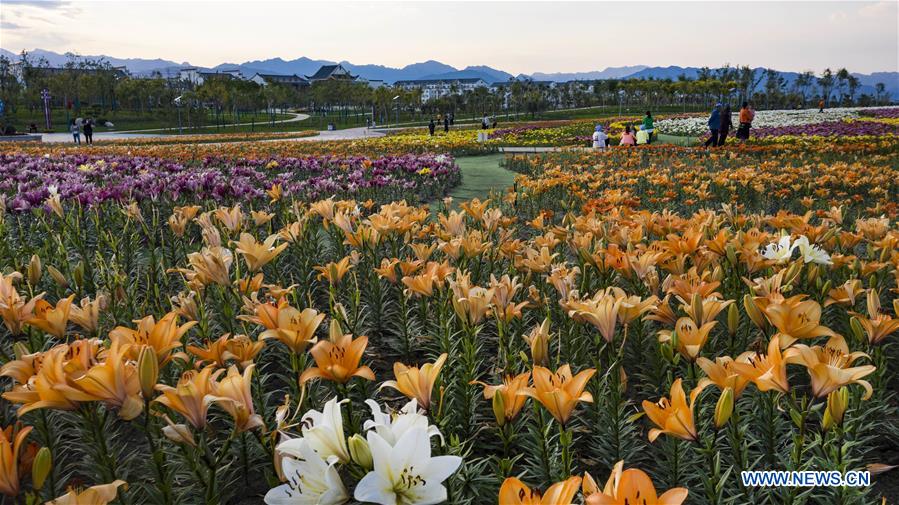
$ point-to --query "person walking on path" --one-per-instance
(485, 122)
(821, 105)
(89, 131)
(431, 127)
(724, 124)
(445, 124)
(746, 117)
(714, 121)
(627, 138)
(452, 118)
(76, 132)
(648, 126)
(599, 138)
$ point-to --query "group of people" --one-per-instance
(77, 126)
(720, 123)
(448, 119)
(630, 137)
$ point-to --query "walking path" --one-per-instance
(130, 134)
(480, 176)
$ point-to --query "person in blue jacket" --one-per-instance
(714, 122)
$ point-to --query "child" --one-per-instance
(599, 138)
(76, 132)
(627, 138)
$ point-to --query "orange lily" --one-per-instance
(601, 311)
(163, 335)
(50, 319)
(673, 416)
(721, 373)
(258, 254)
(631, 486)
(690, 339)
(87, 315)
(538, 340)
(560, 392)
(416, 383)
(50, 388)
(337, 359)
(878, 325)
(515, 492)
(188, 398)
(216, 351)
(9, 459)
(767, 372)
(234, 395)
(94, 495)
(829, 366)
(796, 319)
(294, 328)
(115, 382)
(335, 271)
(513, 402)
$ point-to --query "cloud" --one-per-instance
(9, 25)
(43, 4)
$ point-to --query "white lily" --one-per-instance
(392, 427)
(780, 251)
(811, 253)
(324, 433)
(405, 473)
(310, 479)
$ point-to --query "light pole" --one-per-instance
(45, 96)
(178, 106)
(397, 106)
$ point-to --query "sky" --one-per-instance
(515, 36)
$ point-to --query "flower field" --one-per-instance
(285, 322)
(776, 123)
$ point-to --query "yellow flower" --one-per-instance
(515, 492)
(767, 372)
(290, 326)
(163, 335)
(50, 319)
(673, 416)
(188, 397)
(10, 447)
(560, 392)
(337, 359)
(233, 394)
(829, 366)
(94, 495)
(629, 487)
(416, 383)
(509, 390)
(256, 254)
(115, 382)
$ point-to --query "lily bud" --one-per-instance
(180, 434)
(812, 274)
(733, 319)
(731, 254)
(718, 273)
(622, 380)
(696, 304)
(836, 405)
(724, 408)
(752, 310)
(34, 270)
(40, 469)
(20, 349)
(360, 452)
(857, 330)
(58, 277)
(499, 409)
(78, 274)
(147, 370)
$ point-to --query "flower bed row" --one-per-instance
(27, 180)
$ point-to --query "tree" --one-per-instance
(825, 82)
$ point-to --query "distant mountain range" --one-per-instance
(428, 70)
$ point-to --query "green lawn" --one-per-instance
(130, 120)
(480, 176)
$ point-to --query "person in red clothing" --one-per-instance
(746, 117)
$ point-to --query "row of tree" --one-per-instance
(93, 83)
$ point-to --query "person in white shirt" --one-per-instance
(599, 138)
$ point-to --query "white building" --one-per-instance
(197, 77)
(432, 89)
(292, 80)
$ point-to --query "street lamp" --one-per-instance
(178, 106)
(395, 99)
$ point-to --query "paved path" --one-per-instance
(345, 134)
(131, 134)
